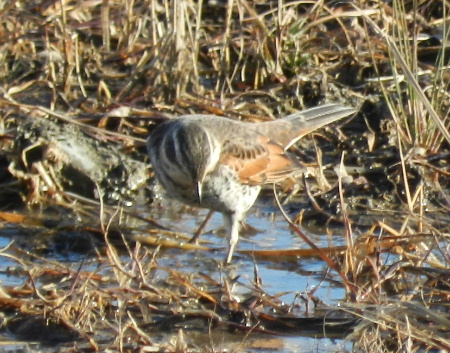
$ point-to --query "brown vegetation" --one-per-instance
(96, 76)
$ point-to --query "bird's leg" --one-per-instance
(232, 223)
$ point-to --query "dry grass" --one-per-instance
(114, 68)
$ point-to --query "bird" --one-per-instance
(220, 164)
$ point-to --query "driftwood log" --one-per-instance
(56, 159)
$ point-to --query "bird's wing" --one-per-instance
(257, 160)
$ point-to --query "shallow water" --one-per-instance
(287, 279)
(291, 278)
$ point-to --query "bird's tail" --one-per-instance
(291, 128)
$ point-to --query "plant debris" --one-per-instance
(87, 264)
